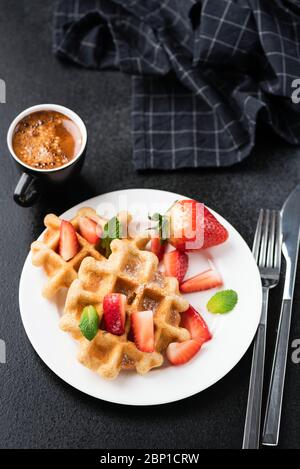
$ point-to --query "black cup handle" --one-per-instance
(26, 193)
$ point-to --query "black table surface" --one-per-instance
(37, 409)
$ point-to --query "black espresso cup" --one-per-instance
(33, 179)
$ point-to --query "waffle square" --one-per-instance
(134, 272)
(61, 273)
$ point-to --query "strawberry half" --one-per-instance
(214, 232)
(195, 324)
(176, 264)
(143, 330)
(68, 242)
(158, 247)
(114, 306)
(194, 227)
(179, 353)
(205, 281)
(89, 229)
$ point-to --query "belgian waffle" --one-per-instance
(133, 272)
(61, 273)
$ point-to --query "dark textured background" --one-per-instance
(37, 409)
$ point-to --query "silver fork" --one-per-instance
(267, 253)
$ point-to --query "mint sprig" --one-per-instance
(162, 226)
(89, 322)
(222, 302)
(112, 230)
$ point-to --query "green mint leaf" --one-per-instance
(112, 230)
(222, 302)
(89, 322)
(161, 227)
(155, 217)
(164, 229)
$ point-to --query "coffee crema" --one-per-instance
(46, 140)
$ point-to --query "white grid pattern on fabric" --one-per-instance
(215, 38)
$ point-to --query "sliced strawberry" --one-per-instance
(205, 281)
(195, 324)
(158, 247)
(179, 353)
(194, 227)
(89, 229)
(114, 306)
(143, 330)
(176, 264)
(68, 242)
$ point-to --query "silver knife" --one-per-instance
(290, 247)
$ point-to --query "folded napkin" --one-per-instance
(204, 73)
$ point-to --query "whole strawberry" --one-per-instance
(194, 227)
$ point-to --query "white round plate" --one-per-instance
(232, 332)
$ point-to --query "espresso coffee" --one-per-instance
(46, 140)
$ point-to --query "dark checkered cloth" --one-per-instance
(204, 73)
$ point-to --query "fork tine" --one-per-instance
(264, 240)
(271, 241)
(257, 237)
(277, 253)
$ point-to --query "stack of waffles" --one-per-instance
(89, 276)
